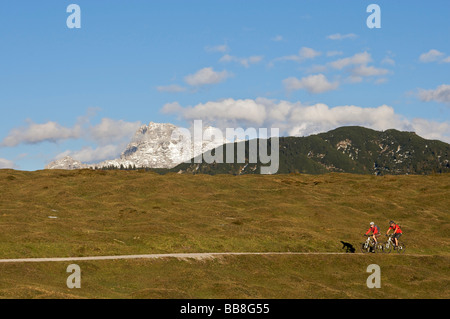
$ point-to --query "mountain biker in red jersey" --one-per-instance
(375, 231)
(397, 232)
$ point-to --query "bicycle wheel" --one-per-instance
(401, 248)
(387, 248)
(364, 248)
(379, 248)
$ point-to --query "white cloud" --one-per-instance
(320, 117)
(229, 110)
(172, 108)
(446, 60)
(388, 61)
(110, 131)
(308, 53)
(217, 48)
(440, 94)
(432, 129)
(277, 38)
(365, 71)
(313, 84)
(243, 61)
(295, 118)
(91, 155)
(431, 56)
(4, 163)
(171, 88)
(358, 68)
(338, 36)
(303, 54)
(36, 133)
(357, 59)
(109, 136)
(356, 65)
(106, 131)
(206, 76)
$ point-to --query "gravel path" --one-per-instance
(178, 256)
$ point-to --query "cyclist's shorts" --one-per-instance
(397, 235)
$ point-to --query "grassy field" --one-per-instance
(89, 213)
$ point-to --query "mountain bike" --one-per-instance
(369, 245)
(389, 245)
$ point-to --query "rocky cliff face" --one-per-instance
(157, 145)
(66, 163)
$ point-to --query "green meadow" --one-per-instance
(94, 213)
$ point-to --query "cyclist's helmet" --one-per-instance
(391, 222)
(372, 223)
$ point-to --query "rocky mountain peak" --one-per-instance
(156, 145)
(66, 162)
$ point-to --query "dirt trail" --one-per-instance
(198, 256)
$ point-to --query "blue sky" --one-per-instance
(303, 66)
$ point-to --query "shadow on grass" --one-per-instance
(348, 247)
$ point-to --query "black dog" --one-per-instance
(348, 247)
